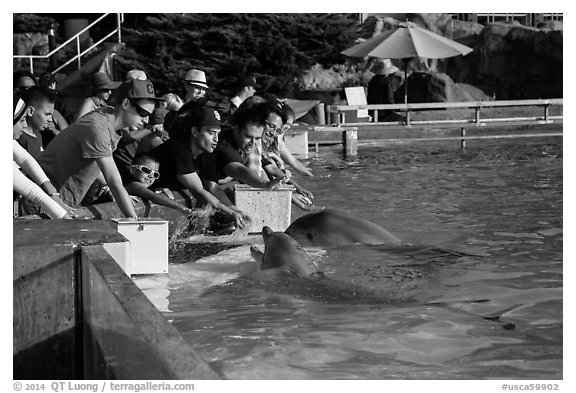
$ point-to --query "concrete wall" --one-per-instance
(78, 316)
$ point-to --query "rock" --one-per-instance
(518, 62)
(438, 87)
(319, 78)
(441, 24)
(509, 61)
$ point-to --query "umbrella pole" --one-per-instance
(406, 80)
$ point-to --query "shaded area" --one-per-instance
(181, 252)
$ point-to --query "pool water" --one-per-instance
(477, 295)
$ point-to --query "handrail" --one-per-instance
(340, 110)
(79, 55)
(76, 37)
(453, 105)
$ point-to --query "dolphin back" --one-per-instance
(330, 228)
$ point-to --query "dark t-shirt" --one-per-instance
(127, 177)
(177, 159)
(225, 153)
(32, 144)
(124, 154)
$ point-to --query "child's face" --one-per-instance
(139, 175)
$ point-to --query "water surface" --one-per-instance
(493, 314)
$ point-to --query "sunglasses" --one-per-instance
(147, 171)
(141, 111)
(271, 126)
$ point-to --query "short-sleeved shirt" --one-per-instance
(32, 142)
(175, 158)
(70, 159)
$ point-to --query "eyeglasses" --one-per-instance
(147, 171)
(141, 111)
(273, 127)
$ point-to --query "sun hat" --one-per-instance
(384, 67)
(19, 108)
(136, 74)
(101, 81)
(138, 89)
(196, 77)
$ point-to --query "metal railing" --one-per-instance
(339, 112)
(79, 53)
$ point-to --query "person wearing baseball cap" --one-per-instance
(77, 155)
(186, 160)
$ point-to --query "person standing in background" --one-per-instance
(102, 88)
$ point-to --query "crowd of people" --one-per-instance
(124, 142)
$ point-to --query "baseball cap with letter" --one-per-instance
(203, 116)
(138, 89)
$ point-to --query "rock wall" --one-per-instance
(509, 61)
(513, 61)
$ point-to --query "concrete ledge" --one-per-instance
(77, 315)
(46, 344)
(132, 338)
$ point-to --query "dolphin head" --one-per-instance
(266, 232)
(284, 253)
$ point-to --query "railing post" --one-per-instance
(477, 115)
(350, 141)
(119, 23)
(546, 110)
(78, 51)
(462, 141)
(408, 117)
(31, 65)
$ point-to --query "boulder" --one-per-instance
(438, 87)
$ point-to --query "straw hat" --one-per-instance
(384, 67)
(196, 77)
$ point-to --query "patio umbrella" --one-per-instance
(406, 42)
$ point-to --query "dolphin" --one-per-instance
(329, 228)
(282, 254)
